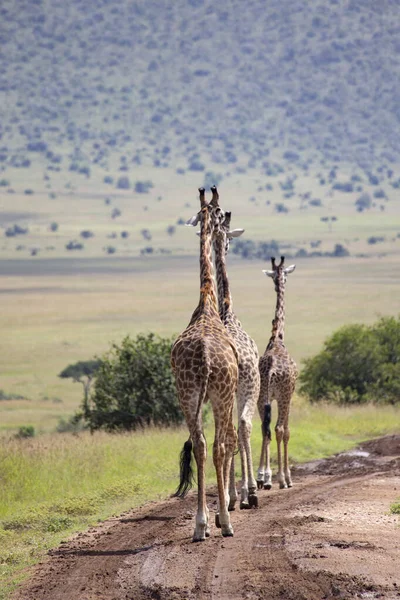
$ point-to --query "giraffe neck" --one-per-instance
(278, 327)
(224, 293)
(207, 284)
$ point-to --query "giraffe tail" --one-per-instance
(186, 470)
(266, 424)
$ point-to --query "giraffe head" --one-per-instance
(279, 273)
(223, 227)
(227, 233)
(216, 214)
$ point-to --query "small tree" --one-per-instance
(135, 386)
(84, 372)
(358, 364)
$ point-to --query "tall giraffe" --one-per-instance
(278, 373)
(249, 377)
(204, 361)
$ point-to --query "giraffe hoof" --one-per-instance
(232, 507)
(267, 486)
(227, 533)
(244, 505)
(260, 485)
(217, 521)
(282, 486)
(253, 501)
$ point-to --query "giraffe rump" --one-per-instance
(186, 470)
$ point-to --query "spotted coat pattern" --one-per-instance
(204, 361)
(278, 373)
(249, 376)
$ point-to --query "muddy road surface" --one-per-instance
(331, 536)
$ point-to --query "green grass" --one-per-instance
(395, 508)
(54, 485)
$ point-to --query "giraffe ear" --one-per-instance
(192, 222)
(289, 269)
(269, 273)
(235, 233)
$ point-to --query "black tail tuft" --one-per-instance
(266, 424)
(186, 471)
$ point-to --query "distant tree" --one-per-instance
(363, 202)
(83, 371)
(343, 187)
(375, 239)
(196, 165)
(74, 245)
(171, 229)
(134, 386)
(146, 234)
(281, 208)
(53, 226)
(86, 233)
(14, 230)
(115, 213)
(143, 187)
(123, 183)
(340, 251)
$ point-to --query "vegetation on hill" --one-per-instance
(358, 364)
(196, 82)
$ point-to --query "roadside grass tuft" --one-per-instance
(395, 508)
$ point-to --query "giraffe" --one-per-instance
(278, 373)
(249, 375)
(205, 365)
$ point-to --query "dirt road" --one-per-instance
(330, 536)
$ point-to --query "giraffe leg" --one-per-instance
(189, 402)
(261, 466)
(279, 437)
(282, 435)
(286, 437)
(232, 487)
(249, 485)
(268, 471)
(229, 467)
(200, 452)
(222, 456)
(264, 476)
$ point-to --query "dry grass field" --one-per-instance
(56, 312)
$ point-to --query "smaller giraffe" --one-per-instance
(278, 373)
(249, 375)
(205, 365)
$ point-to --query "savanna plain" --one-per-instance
(56, 311)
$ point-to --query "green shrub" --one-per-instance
(26, 431)
(358, 364)
(135, 386)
